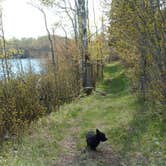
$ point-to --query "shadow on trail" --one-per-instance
(136, 149)
(115, 83)
(112, 69)
(104, 156)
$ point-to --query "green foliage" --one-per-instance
(18, 105)
(27, 97)
(137, 35)
(137, 136)
(48, 2)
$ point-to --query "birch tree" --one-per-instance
(5, 65)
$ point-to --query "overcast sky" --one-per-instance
(22, 20)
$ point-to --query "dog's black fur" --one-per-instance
(94, 139)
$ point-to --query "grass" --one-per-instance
(136, 136)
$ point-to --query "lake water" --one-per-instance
(22, 65)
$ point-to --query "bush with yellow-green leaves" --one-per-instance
(19, 105)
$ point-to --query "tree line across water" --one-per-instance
(29, 47)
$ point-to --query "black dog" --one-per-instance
(94, 139)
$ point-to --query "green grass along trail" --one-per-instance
(134, 137)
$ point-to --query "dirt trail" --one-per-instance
(68, 153)
(70, 156)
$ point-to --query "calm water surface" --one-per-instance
(23, 65)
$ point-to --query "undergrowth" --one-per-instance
(133, 131)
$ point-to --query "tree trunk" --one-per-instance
(83, 36)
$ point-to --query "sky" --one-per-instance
(22, 20)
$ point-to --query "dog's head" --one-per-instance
(101, 135)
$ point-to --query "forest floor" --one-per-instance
(135, 136)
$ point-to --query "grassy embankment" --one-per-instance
(135, 136)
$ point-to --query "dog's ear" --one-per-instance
(97, 131)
